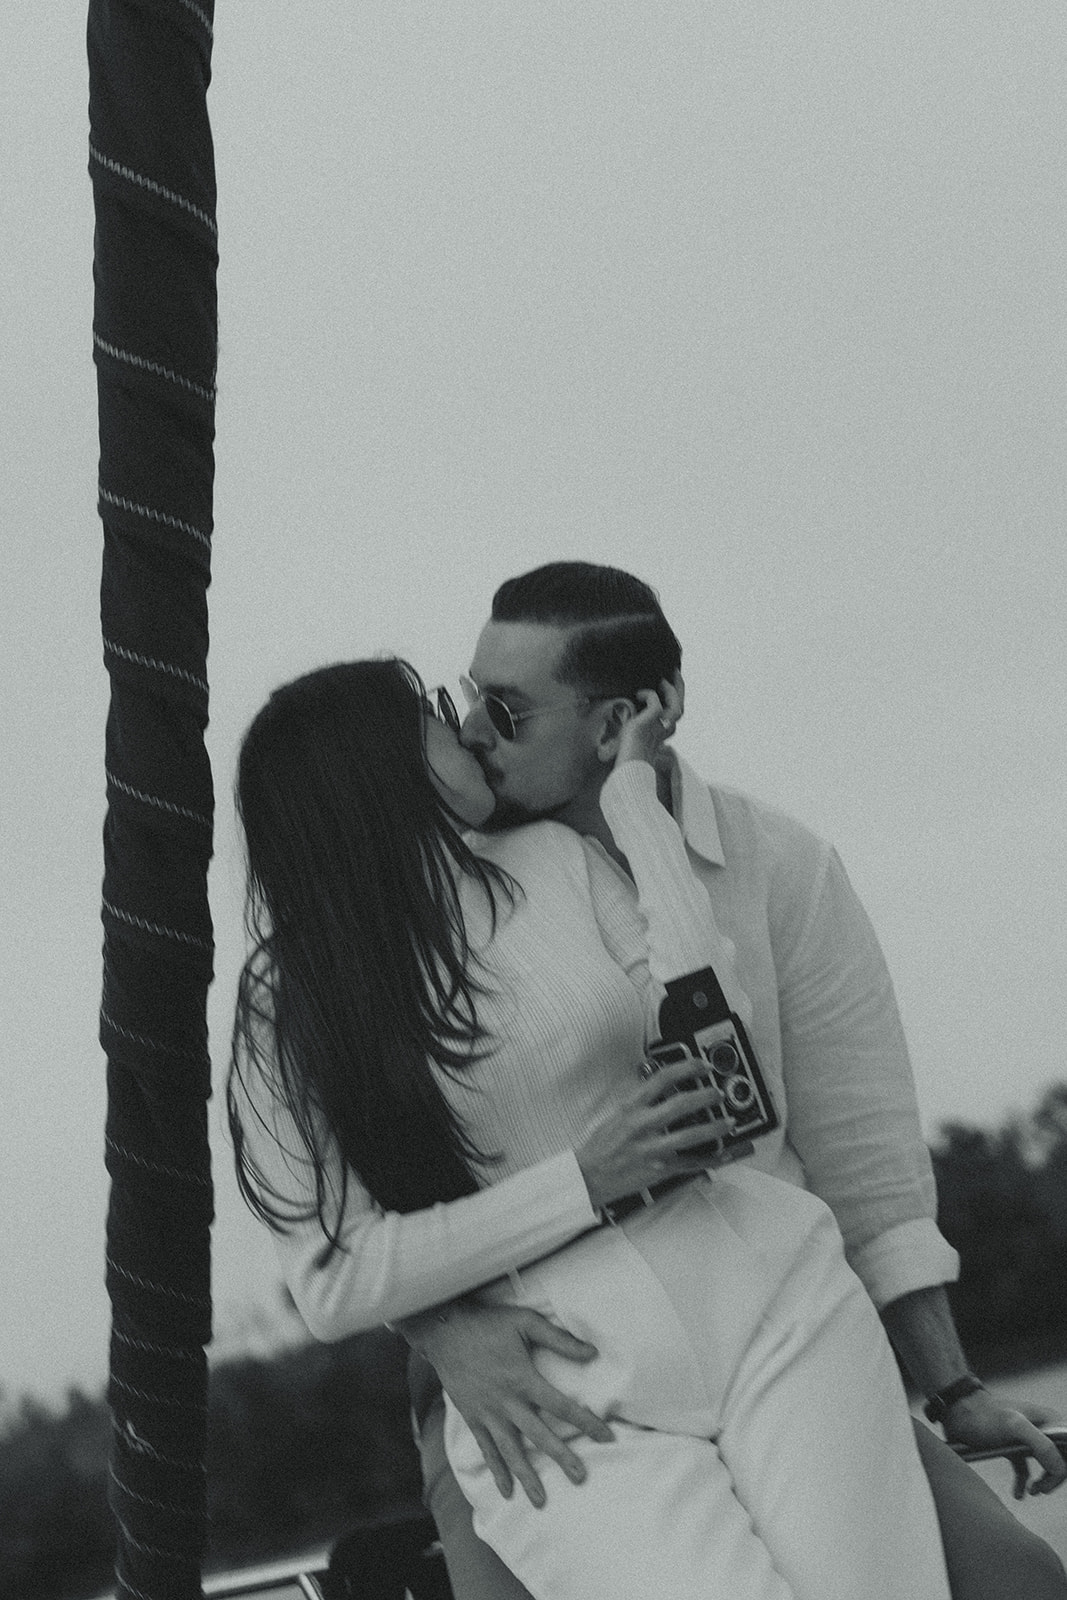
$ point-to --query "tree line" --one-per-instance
(1002, 1201)
(309, 1443)
(301, 1446)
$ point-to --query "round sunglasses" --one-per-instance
(505, 721)
(442, 706)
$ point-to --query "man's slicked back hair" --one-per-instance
(621, 641)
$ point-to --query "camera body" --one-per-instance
(697, 1024)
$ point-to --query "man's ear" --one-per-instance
(613, 718)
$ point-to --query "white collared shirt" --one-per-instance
(826, 1029)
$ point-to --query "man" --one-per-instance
(564, 643)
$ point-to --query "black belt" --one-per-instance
(619, 1210)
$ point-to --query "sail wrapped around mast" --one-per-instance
(155, 336)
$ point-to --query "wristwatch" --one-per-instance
(939, 1404)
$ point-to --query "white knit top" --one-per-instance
(578, 973)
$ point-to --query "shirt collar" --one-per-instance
(694, 811)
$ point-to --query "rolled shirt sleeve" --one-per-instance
(852, 1111)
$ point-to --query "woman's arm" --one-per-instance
(671, 930)
(389, 1265)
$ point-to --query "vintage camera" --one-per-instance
(696, 1024)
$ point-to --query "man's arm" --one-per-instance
(853, 1114)
(924, 1335)
(854, 1121)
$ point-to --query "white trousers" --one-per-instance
(763, 1445)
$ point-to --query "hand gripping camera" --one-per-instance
(696, 1024)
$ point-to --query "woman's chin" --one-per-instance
(479, 808)
(472, 807)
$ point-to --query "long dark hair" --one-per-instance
(359, 976)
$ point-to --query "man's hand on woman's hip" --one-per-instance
(483, 1357)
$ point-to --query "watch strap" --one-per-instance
(939, 1404)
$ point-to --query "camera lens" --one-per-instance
(724, 1059)
(739, 1094)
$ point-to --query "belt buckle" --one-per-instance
(619, 1210)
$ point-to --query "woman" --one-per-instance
(435, 1089)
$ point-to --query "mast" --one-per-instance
(154, 335)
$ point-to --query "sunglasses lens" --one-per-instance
(499, 716)
(495, 709)
(446, 710)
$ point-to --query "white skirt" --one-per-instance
(763, 1445)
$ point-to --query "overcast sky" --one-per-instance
(760, 300)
